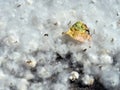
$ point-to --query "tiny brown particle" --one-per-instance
(18, 5)
(117, 14)
(112, 40)
(29, 61)
(96, 21)
(56, 24)
(84, 50)
(45, 34)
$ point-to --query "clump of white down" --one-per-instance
(23, 25)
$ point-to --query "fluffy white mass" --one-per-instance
(31, 30)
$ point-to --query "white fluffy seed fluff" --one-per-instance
(31, 37)
(88, 80)
(74, 75)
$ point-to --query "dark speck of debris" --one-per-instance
(16, 42)
(89, 46)
(45, 34)
(29, 62)
(21, 18)
(33, 70)
(18, 5)
(92, 2)
(96, 21)
(84, 50)
(56, 24)
(112, 40)
(100, 67)
(59, 57)
(63, 33)
(117, 14)
(116, 58)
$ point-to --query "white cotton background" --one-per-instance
(23, 25)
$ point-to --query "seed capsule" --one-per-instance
(79, 31)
